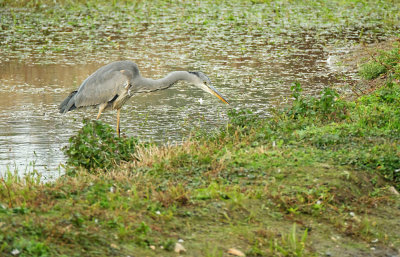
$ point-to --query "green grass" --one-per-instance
(316, 177)
(385, 62)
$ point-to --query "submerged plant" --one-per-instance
(97, 146)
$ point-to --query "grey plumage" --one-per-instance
(102, 86)
(113, 84)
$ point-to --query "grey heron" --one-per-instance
(113, 84)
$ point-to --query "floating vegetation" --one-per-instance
(77, 28)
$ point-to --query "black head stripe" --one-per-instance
(195, 73)
(200, 75)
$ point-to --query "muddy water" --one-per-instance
(33, 132)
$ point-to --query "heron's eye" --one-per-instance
(205, 82)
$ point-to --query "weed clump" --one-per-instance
(242, 120)
(96, 146)
(328, 107)
(372, 70)
(387, 62)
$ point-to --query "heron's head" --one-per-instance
(202, 81)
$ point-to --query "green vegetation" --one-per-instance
(386, 62)
(59, 30)
(97, 146)
(318, 177)
(315, 178)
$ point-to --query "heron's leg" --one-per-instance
(101, 109)
(118, 115)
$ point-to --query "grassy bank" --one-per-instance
(318, 177)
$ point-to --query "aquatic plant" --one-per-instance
(46, 28)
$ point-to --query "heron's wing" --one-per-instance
(102, 86)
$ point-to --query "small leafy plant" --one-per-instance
(242, 120)
(387, 62)
(327, 107)
(97, 146)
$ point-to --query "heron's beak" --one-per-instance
(212, 90)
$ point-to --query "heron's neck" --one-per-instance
(149, 85)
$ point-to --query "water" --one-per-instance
(252, 69)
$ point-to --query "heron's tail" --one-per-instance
(68, 104)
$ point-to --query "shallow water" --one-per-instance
(251, 69)
(33, 131)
